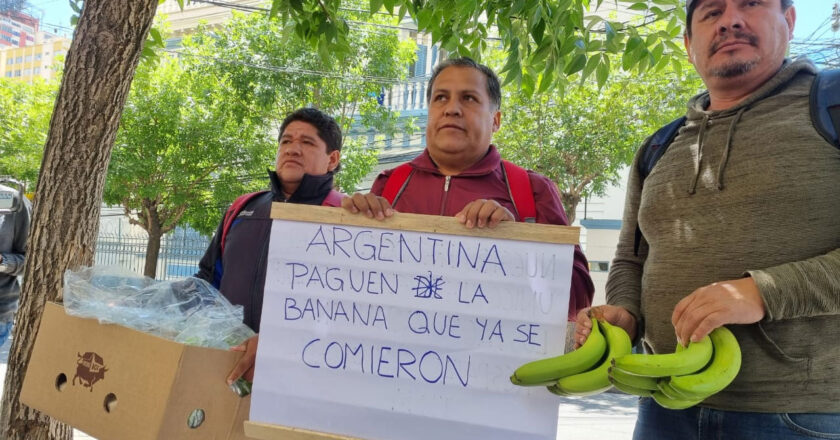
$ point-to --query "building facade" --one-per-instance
(35, 61)
(17, 29)
(26, 52)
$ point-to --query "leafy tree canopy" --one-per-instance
(583, 138)
(546, 41)
(24, 126)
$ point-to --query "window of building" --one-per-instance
(9, 74)
(27, 72)
(37, 71)
(17, 73)
(37, 57)
(19, 60)
(418, 68)
(29, 58)
(10, 61)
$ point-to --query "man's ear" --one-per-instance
(790, 18)
(335, 158)
(687, 43)
(497, 120)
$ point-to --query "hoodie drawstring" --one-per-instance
(698, 156)
(728, 147)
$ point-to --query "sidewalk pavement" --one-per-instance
(606, 415)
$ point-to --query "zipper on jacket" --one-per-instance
(445, 195)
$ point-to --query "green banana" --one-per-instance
(629, 389)
(687, 361)
(635, 381)
(666, 389)
(597, 380)
(547, 371)
(721, 371)
(666, 402)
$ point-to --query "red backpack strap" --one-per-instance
(396, 182)
(519, 186)
(333, 199)
(233, 211)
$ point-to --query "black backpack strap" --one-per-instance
(656, 145)
(652, 150)
(825, 105)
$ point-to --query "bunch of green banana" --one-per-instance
(684, 378)
(596, 380)
(582, 371)
(546, 371)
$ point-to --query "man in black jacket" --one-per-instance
(235, 262)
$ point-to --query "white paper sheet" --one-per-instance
(385, 334)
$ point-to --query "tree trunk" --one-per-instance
(570, 202)
(100, 66)
(152, 246)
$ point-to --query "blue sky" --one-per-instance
(810, 15)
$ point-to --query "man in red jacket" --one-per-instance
(460, 173)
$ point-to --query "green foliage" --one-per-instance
(181, 148)
(196, 130)
(546, 41)
(272, 73)
(24, 127)
(582, 139)
(356, 162)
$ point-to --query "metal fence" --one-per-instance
(180, 252)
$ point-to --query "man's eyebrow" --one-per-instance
(707, 4)
(461, 91)
(305, 136)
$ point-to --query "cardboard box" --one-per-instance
(116, 383)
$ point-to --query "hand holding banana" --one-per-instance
(583, 371)
(676, 380)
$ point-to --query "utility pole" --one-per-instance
(835, 16)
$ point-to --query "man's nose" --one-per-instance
(732, 19)
(293, 148)
(452, 108)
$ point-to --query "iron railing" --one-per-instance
(180, 252)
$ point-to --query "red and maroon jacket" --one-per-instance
(428, 191)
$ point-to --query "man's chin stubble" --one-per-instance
(734, 69)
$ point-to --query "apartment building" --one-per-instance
(26, 52)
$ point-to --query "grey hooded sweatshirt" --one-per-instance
(753, 190)
(13, 231)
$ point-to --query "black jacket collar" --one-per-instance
(312, 190)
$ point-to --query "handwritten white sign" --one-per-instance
(397, 335)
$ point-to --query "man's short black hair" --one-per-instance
(494, 88)
(328, 129)
(690, 4)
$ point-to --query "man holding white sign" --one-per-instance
(461, 173)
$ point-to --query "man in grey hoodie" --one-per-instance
(739, 225)
(14, 228)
